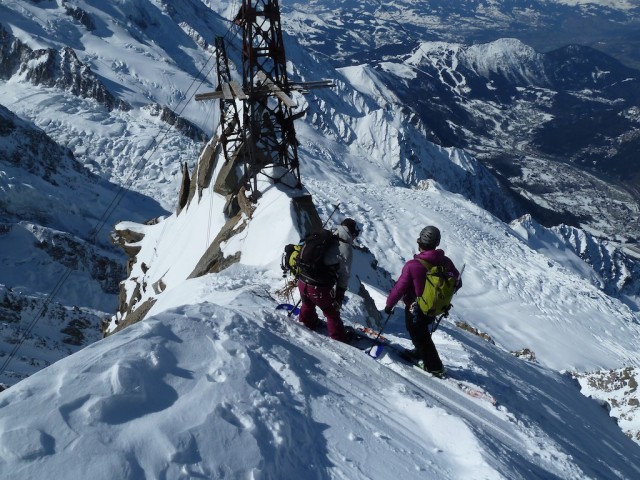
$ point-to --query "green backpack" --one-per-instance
(439, 288)
(289, 263)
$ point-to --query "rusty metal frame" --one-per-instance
(231, 136)
(268, 117)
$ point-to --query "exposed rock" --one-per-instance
(475, 331)
(80, 15)
(126, 239)
(182, 125)
(76, 254)
(53, 68)
(75, 331)
(213, 259)
(185, 187)
(77, 325)
(32, 149)
(525, 354)
(205, 167)
(230, 176)
(135, 315)
(159, 286)
(618, 391)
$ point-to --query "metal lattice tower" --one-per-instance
(232, 134)
(268, 119)
(265, 142)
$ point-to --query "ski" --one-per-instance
(364, 342)
(361, 339)
(464, 386)
(370, 332)
(472, 391)
(367, 340)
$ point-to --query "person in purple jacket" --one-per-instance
(410, 286)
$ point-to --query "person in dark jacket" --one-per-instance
(410, 286)
(320, 292)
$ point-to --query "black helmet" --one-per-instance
(429, 238)
(352, 226)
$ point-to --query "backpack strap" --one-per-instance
(440, 268)
(424, 263)
(429, 267)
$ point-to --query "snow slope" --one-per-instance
(214, 383)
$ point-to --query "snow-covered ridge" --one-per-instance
(53, 68)
(614, 4)
(212, 355)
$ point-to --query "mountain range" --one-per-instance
(351, 32)
(546, 124)
(507, 152)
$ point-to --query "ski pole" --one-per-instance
(383, 326)
(437, 322)
(375, 340)
(293, 309)
(329, 217)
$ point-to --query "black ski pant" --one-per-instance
(418, 328)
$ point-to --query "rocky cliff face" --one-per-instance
(57, 275)
(53, 68)
(180, 124)
(31, 149)
(36, 331)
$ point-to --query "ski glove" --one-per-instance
(388, 310)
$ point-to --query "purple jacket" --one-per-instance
(410, 285)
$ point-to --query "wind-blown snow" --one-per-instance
(214, 383)
(218, 385)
